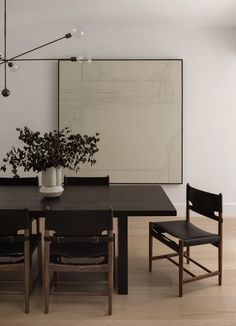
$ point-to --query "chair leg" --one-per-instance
(114, 261)
(26, 275)
(110, 276)
(150, 247)
(220, 251)
(40, 265)
(188, 254)
(110, 294)
(181, 256)
(37, 226)
(46, 277)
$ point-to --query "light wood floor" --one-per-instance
(152, 298)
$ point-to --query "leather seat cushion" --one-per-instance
(78, 253)
(186, 231)
(13, 252)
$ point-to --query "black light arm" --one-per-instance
(68, 35)
(42, 59)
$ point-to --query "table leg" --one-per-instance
(123, 255)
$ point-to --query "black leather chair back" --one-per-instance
(13, 220)
(32, 181)
(204, 203)
(79, 223)
(86, 181)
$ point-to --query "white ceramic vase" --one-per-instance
(52, 182)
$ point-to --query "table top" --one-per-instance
(126, 200)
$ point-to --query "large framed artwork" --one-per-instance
(137, 108)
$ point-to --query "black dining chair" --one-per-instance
(188, 235)
(86, 181)
(30, 181)
(16, 249)
(26, 181)
(93, 181)
(78, 241)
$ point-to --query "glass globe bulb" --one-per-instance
(80, 59)
(12, 67)
(89, 59)
(77, 32)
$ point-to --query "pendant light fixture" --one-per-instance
(11, 62)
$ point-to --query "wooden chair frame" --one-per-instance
(180, 251)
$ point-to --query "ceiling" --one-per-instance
(161, 13)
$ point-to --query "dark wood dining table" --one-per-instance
(126, 200)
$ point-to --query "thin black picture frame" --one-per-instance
(182, 109)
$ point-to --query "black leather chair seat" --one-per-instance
(13, 252)
(78, 252)
(186, 231)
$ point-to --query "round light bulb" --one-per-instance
(12, 67)
(78, 32)
(89, 59)
(80, 59)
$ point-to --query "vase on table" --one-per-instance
(52, 182)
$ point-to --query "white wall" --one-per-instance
(209, 92)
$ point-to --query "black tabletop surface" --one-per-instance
(131, 200)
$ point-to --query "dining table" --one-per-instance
(126, 200)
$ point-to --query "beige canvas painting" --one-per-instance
(136, 106)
